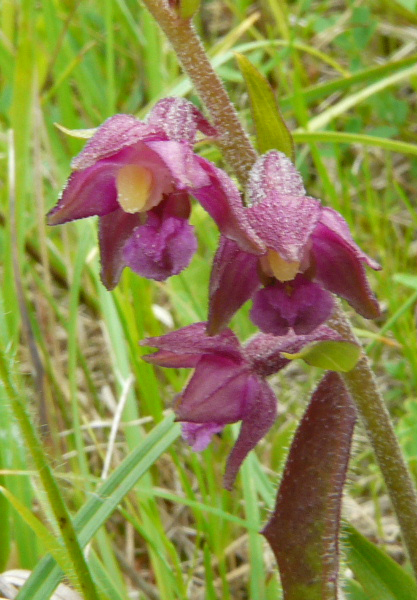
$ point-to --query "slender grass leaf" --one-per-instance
(100, 506)
(379, 575)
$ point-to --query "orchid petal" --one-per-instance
(182, 163)
(340, 270)
(185, 347)
(222, 200)
(217, 389)
(198, 435)
(115, 230)
(301, 305)
(274, 172)
(160, 248)
(263, 352)
(255, 425)
(87, 193)
(179, 119)
(116, 133)
(285, 223)
(234, 279)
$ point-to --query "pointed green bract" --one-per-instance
(303, 531)
(271, 130)
(188, 8)
(81, 134)
(329, 355)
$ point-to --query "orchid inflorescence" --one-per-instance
(279, 247)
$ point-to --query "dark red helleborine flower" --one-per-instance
(308, 253)
(137, 177)
(229, 382)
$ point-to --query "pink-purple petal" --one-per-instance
(198, 435)
(115, 230)
(217, 390)
(301, 305)
(339, 268)
(86, 194)
(285, 223)
(190, 344)
(258, 420)
(182, 163)
(160, 248)
(118, 132)
(264, 351)
(179, 119)
(334, 221)
(234, 279)
(274, 172)
(222, 200)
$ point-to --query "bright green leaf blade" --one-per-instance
(81, 134)
(329, 355)
(94, 513)
(271, 130)
(408, 280)
(49, 541)
(188, 8)
(378, 574)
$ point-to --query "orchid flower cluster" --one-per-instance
(278, 247)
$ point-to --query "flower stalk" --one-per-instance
(240, 155)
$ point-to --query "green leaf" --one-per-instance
(271, 130)
(188, 8)
(102, 503)
(329, 355)
(81, 134)
(405, 279)
(379, 575)
(50, 542)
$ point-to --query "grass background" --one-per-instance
(345, 74)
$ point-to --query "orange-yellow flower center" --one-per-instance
(134, 186)
(282, 270)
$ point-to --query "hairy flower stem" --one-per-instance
(233, 140)
(240, 154)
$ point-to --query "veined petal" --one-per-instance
(263, 352)
(334, 221)
(234, 279)
(300, 304)
(339, 268)
(217, 392)
(116, 133)
(272, 173)
(182, 163)
(114, 231)
(222, 200)
(198, 435)
(87, 193)
(160, 248)
(285, 223)
(188, 344)
(258, 420)
(179, 119)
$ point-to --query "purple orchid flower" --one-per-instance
(137, 177)
(228, 384)
(307, 254)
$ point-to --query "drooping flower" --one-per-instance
(137, 177)
(229, 382)
(308, 253)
